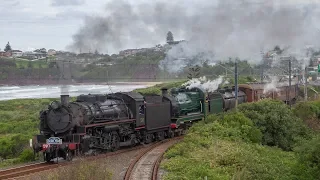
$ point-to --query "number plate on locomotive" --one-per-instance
(54, 140)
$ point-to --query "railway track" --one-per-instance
(145, 166)
(25, 170)
(159, 147)
(39, 167)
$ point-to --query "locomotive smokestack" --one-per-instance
(164, 91)
(64, 100)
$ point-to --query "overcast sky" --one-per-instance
(30, 24)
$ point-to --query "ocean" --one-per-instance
(54, 91)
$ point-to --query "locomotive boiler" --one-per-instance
(187, 101)
(62, 117)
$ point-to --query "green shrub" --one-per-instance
(228, 146)
(309, 112)
(12, 145)
(309, 155)
(279, 126)
(306, 110)
(19, 121)
(231, 126)
(245, 125)
(226, 159)
(26, 155)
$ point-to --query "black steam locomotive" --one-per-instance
(96, 123)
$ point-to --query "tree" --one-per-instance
(278, 49)
(170, 37)
(43, 50)
(96, 52)
(8, 47)
(194, 72)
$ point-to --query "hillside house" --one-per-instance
(8, 54)
(2, 53)
(52, 52)
(16, 53)
(315, 61)
(128, 52)
(34, 55)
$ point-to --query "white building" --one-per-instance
(16, 53)
(51, 52)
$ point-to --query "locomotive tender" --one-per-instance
(96, 123)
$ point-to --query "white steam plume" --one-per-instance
(272, 86)
(209, 86)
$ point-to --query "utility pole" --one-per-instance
(236, 82)
(290, 81)
(306, 78)
(261, 73)
(305, 84)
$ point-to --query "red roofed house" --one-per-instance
(2, 53)
(8, 54)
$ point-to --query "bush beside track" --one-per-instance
(263, 140)
(19, 122)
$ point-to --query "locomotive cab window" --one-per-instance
(141, 109)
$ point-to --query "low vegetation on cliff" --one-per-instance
(18, 123)
(262, 140)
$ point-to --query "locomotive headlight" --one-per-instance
(55, 105)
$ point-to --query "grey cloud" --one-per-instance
(226, 28)
(67, 2)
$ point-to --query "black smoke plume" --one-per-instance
(225, 28)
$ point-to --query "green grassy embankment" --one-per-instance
(19, 120)
(25, 63)
(157, 88)
(263, 140)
